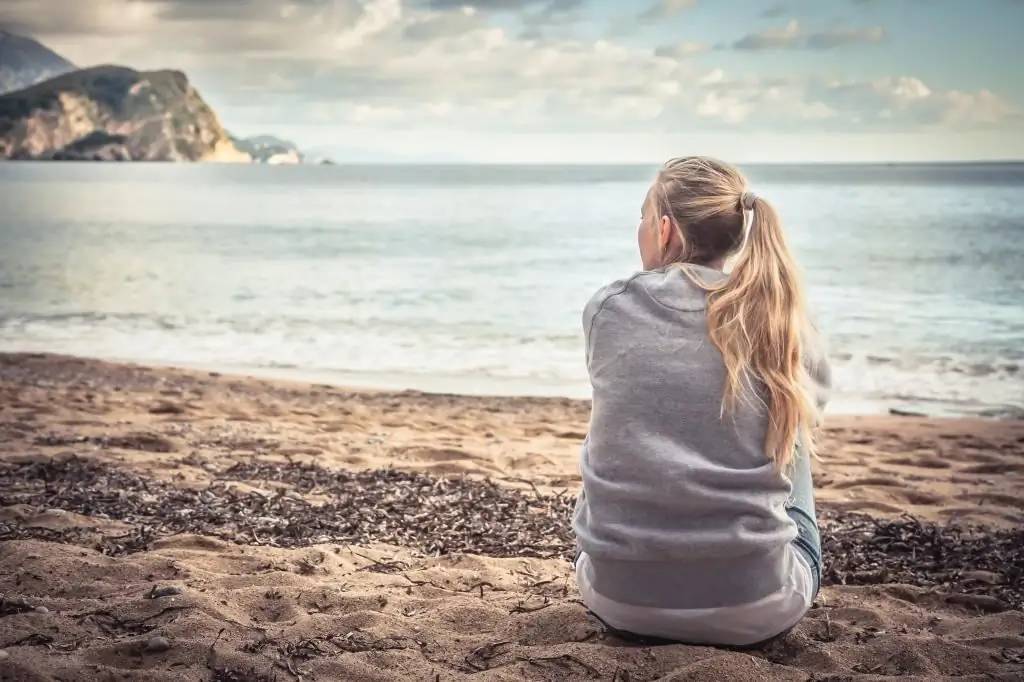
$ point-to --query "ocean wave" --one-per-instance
(942, 363)
(16, 320)
(461, 358)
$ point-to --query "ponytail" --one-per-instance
(758, 319)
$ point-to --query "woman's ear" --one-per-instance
(665, 231)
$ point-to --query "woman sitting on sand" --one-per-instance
(696, 522)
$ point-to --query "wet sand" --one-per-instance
(161, 524)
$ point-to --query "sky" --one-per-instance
(579, 81)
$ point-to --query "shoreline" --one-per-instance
(173, 525)
(839, 407)
(882, 464)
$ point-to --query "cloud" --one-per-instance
(680, 50)
(771, 38)
(550, 6)
(346, 67)
(550, 18)
(792, 35)
(907, 102)
(436, 26)
(829, 39)
(665, 9)
(93, 18)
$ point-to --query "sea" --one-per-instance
(472, 279)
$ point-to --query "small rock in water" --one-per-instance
(157, 645)
(169, 591)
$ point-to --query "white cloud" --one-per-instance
(680, 50)
(665, 9)
(377, 17)
(905, 102)
(976, 108)
(771, 38)
(793, 35)
(838, 37)
(389, 65)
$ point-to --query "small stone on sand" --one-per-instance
(155, 645)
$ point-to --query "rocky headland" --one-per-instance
(113, 113)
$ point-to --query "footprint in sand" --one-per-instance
(526, 462)
(869, 481)
(995, 499)
(994, 468)
(922, 498)
(425, 454)
(924, 462)
(866, 506)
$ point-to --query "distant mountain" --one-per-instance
(112, 132)
(275, 150)
(113, 113)
(269, 149)
(25, 62)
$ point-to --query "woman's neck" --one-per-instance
(718, 265)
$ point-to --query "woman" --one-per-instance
(696, 522)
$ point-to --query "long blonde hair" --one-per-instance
(757, 316)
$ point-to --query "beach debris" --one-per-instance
(440, 516)
(166, 407)
(12, 607)
(898, 412)
(156, 645)
(145, 442)
(168, 591)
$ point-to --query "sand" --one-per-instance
(160, 524)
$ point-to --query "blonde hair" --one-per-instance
(757, 316)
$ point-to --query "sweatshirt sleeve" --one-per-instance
(593, 307)
(819, 371)
(589, 313)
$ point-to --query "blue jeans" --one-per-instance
(800, 508)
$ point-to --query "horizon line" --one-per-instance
(950, 162)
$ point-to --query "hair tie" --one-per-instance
(747, 201)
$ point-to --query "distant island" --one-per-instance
(52, 110)
(269, 149)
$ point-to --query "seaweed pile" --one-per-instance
(439, 516)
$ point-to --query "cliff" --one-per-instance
(25, 62)
(115, 113)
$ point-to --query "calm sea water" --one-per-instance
(472, 279)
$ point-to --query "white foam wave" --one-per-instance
(481, 360)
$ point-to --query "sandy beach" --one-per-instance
(161, 524)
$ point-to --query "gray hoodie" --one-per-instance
(681, 507)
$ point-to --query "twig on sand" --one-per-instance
(479, 659)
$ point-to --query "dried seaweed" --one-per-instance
(441, 516)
